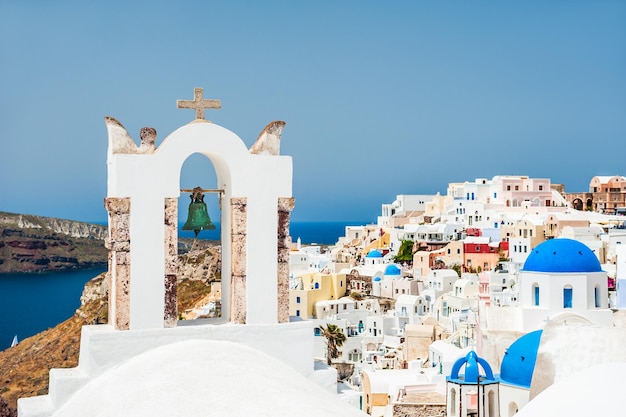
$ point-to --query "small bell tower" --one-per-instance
(472, 389)
(255, 186)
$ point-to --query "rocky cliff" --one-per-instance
(24, 369)
(38, 244)
(68, 228)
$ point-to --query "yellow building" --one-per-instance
(312, 288)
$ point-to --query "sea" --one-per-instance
(32, 303)
(320, 233)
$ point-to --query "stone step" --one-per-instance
(40, 406)
(64, 382)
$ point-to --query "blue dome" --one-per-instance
(392, 270)
(562, 255)
(519, 360)
(374, 254)
(472, 375)
(377, 279)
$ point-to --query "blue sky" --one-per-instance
(380, 98)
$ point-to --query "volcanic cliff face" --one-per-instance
(53, 225)
(37, 244)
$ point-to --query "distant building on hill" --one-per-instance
(607, 194)
(406, 209)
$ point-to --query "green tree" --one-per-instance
(334, 340)
(405, 253)
(355, 295)
(458, 269)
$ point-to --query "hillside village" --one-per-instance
(471, 284)
(488, 301)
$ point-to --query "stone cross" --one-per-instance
(198, 103)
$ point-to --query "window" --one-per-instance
(517, 188)
(345, 306)
(535, 294)
(540, 187)
(567, 297)
(453, 401)
(355, 355)
(297, 300)
(596, 295)
(317, 285)
(508, 188)
(298, 313)
(491, 404)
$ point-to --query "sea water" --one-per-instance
(32, 303)
(321, 233)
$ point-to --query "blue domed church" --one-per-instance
(562, 280)
(516, 373)
(560, 284)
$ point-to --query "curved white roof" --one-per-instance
(204, 378)
(586, 393)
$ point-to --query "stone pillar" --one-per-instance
(285, 206)
(170, 315)
(118, 244)
(238, 259)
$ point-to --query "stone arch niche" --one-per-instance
(142, 201)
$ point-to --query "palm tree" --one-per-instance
(334, 339)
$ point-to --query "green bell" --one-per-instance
(198, 217)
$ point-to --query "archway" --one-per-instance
(199, 276)
(577, 204)
(142, 201)
(512, 409)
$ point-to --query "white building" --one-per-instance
(409, 309)
(563, 276)
(404, 207)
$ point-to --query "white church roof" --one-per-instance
(204, 378)
(586, 393)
